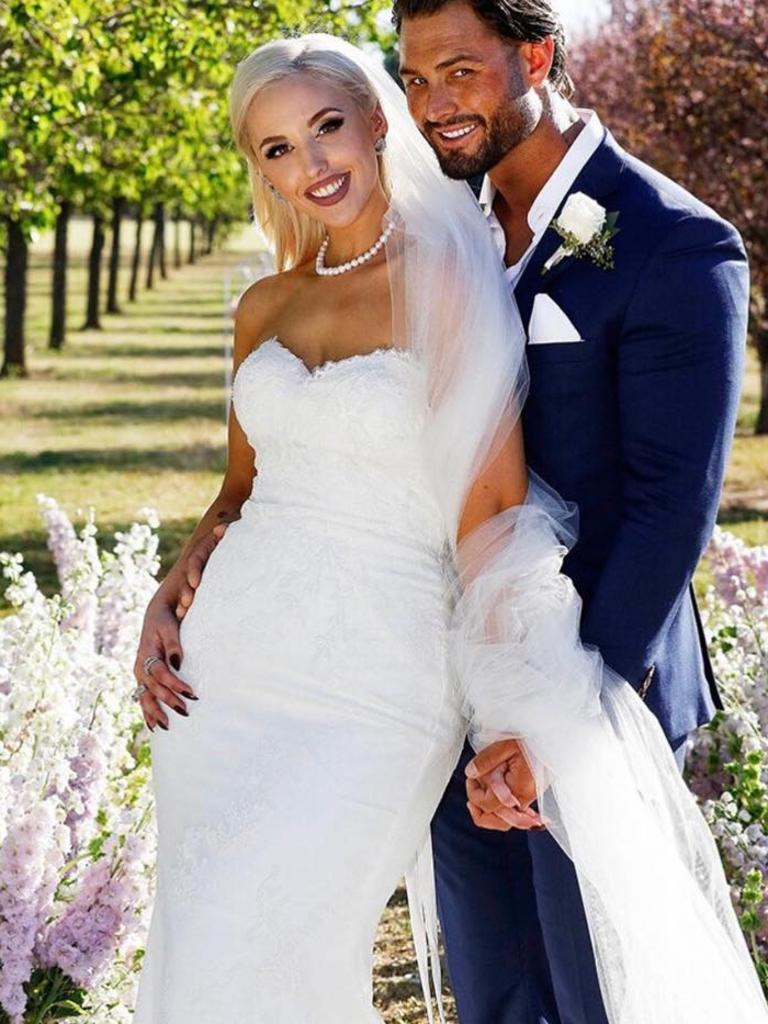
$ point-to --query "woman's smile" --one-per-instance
(331, 190)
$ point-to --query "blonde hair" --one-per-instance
(296, 236)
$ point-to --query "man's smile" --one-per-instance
(455, 134)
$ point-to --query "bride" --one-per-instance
(393, 582)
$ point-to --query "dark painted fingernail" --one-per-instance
(175, 661)
(163, 726)
(181, 711)
(189, 696)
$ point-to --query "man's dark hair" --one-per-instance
(519, 21)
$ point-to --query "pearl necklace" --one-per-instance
(357, 261)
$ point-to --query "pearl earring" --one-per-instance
(380, 145)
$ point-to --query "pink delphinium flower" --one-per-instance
(87, 785)
(71, 742)
(30, 860)
(84, 941)
(740, 571)
(78, 567)
(61, 538)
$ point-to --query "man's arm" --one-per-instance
(680, 363)
(680, 366)
(500, 786)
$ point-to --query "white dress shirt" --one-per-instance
(546, 203)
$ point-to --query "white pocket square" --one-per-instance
(548, 324)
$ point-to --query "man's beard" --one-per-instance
(507, 129)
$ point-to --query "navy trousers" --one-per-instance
(517, 945)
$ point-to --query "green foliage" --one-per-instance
(597, 249)
(129, 98)
(746, 771)
(53, 996)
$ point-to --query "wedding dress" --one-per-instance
(301, 786)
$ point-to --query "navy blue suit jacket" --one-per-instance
(634, 422)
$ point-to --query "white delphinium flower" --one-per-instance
(75, 760)
(728, 766)
(127, 584)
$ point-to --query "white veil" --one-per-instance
(667, 943)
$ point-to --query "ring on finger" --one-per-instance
(149, 662)
(139, 691)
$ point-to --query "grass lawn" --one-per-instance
(744, 506)
(129, 416)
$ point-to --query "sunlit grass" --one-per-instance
(129, 416)
(744, 508)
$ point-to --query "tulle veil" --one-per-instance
(667, 943)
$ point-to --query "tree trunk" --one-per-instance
(160, 230)
(58, 333)
(177, 238)
(136, 259)
(150, 280)
(92, 321)
(192, 253)
(15, 300)
(211, 235)
(118, 206)
(155, 251)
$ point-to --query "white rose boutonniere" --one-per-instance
(586, 230)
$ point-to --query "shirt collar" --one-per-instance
(546, 203)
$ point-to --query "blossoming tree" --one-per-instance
(684, 84)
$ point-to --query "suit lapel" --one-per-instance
(598, 179)
(533, 280)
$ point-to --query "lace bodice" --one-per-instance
(343, 440)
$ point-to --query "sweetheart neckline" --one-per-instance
(314, 371)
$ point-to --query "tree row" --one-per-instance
(115, 107)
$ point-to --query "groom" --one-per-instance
(634, 382)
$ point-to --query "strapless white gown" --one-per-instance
(301, 786)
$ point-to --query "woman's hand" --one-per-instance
(195, 563)
(160, 639)
(160, 647)
(501, 789)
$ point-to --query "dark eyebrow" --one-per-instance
(458, 59)
(322, 113)
(313, 120)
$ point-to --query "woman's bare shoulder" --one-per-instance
(258, 310)
(257, 305)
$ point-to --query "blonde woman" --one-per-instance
(392, 578)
